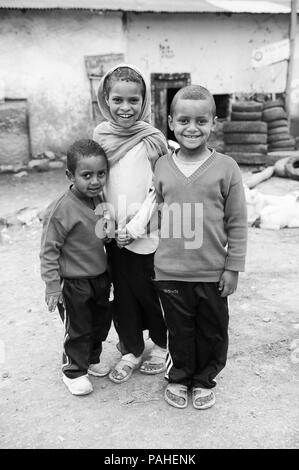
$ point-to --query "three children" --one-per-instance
(201, 250)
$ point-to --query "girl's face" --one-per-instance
(125, 102)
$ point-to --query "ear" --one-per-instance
(70, 175)
(170, 122)
(214, 123)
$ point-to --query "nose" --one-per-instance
(95, 181)
(125, 105)
(192, 126)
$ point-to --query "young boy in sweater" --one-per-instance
(74, 267)
(201, 251)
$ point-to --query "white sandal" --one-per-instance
(128, 360)
(155, 364)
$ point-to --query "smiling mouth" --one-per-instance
(192, 136)
(125, 116)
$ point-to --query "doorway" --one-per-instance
(163, 88)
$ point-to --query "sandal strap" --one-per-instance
(177, 389)
(158, 352)
(201, 392)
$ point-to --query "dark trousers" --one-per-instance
(87, 320)
(197, 321)
(136, 305)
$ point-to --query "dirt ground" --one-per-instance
(257, 393)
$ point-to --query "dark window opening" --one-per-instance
(222, 105)
(170, 94)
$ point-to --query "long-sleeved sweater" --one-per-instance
(204, 220)
(70, 246)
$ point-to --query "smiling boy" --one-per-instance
(195, 277)
(74, 266)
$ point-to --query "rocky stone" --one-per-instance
(6, 169)
(39, 165)
(21, 174)
(49, 155)
(55, 165)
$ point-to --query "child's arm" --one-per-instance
(136, 227)
(53, 238)
(235, 220)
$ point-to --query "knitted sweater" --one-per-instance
(204, 220)
(69, 246)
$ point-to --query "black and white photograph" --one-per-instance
(149, 228)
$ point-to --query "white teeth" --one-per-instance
(125, 115)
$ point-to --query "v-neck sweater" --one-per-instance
(204, 220)
(70, 247)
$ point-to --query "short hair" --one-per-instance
(193, 92)
(123, 74)
(83, 148)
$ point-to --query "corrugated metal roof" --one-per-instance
(179, 6)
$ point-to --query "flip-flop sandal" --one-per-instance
(203, 398)
(119, 370)
(179, 391)
(155, 364)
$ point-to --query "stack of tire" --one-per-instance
(279, 138)
(245, 135)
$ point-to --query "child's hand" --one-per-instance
(228, 283)
(52, 300)
(123, 238)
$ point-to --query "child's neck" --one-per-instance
(85, 199)
(192, 156)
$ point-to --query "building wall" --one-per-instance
(42, 60)
(214, 48)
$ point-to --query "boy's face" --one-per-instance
(125, 102)
(192, 123)
(90, 175)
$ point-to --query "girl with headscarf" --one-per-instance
(132, 146)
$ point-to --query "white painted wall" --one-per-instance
(42, 59)
(215, 49)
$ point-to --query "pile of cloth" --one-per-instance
(272, 212)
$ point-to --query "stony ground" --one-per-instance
(257, 394)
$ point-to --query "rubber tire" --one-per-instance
(289, 143)
(247, 106)
(257, 127)
(278, 137)
(273, 104)
(277, 123)
(248, 148)
(279, 130)
(273, 114)
(246, 116)
(243, 138)
(292, 168)
(280, 167)
(272, 150)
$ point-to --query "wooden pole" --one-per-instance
(290, 65)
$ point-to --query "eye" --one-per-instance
(102, 173)
(183, 121)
